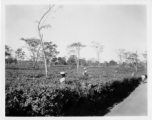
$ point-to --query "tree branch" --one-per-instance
(50, 7)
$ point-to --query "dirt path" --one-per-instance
(133, 105)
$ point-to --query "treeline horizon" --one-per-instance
(20, 57)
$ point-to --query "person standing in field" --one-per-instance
(85, 74)
(144, 78)
(85, 71)
(63, 75)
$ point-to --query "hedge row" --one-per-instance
(67, 100)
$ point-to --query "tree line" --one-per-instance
(52, 58)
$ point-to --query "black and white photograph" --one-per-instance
(75, 60)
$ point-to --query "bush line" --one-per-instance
(67, 100)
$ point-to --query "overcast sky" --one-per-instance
(115, 26)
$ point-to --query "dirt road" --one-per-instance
(134, 105)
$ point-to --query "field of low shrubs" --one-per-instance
(29, 93)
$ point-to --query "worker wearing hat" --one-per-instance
(85, 72)
(85, 75)
(144, 78)
(63, 75)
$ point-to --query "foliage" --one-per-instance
(29, 93)
(74, 49)
(128, 58)
(66, 100)
(33, 45)
(41, 26)
(8, 51)
(132, 58)
(72, 60)
(112, 62)
(20, 54)
(61, 61)
(93, 62)
(83, 62)
(50, 50)
(8, 55)
(120, 53)
(10, 60)
(99, 49)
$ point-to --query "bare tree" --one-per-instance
(20, 54)
(40, 27)
(99, 49)
(128, 57)
(121, 54)
(133, 58)
(9, 55)
(75, 50)
(8, 51)
(33, 45)
(50, 51)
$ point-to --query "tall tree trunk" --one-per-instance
(78, 60)
(35, 62)
(135, 66)
(136, 69)
(45, 62)
(98, 56)
(77, 66)
(41, 36)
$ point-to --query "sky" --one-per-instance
(114, 26)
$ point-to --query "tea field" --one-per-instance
(29, 93)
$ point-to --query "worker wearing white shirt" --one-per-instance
(144, 78)
(62, 80)
(85, 72)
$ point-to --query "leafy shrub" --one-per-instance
(10, 60)
(26, 99)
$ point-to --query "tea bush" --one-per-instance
(36, 99)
